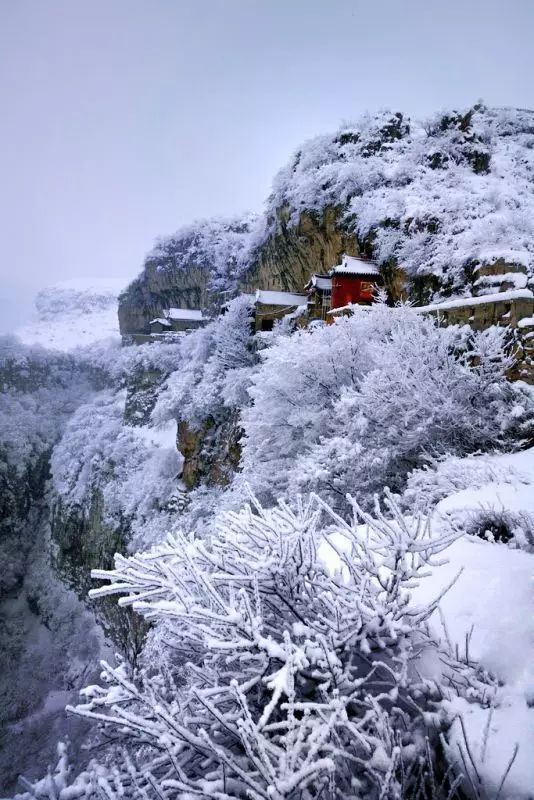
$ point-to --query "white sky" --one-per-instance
(123, 119)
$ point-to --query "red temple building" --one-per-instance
(354, 281)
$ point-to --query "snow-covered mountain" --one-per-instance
(431, 201)
(74, 313)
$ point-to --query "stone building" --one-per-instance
(513, 309)
(178, 319)
(270, 306)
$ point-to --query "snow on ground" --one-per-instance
(74, 313)
(491, 607)
(498, 496)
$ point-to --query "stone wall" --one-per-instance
(514, 309)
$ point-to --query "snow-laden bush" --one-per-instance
(423, 397)
(301, 378)
(515, 528)
(216, 364)
(293, 655)
(39, 390)
(134, 469)
(359, 404)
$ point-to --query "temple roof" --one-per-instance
(184, 313)
(350, 265)
(272, 298)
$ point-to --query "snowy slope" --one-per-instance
(489, 608)
(74, 313)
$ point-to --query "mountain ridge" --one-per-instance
(431, 201)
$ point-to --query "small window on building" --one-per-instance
(267, 324)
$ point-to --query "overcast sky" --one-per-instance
(123, 119)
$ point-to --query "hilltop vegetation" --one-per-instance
(437, 198)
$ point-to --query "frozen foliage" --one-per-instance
(50, 647)
(40, 390)
(222, 246)
(74, 314)
(486, 496)
(48, 641)
(294, 654)
(289, 678)
(133, 468)
(437, 197)
(355, 406)
(216, 365)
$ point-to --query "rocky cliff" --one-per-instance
(195, 268)
(432, 202)
(49, 642)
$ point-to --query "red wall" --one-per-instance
(351, 289)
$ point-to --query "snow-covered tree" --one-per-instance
(357, 405)
(301, 378)
(133, 469)
(292, 653)
(427, 395)
(215, 368)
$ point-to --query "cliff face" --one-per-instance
(284, 260)
(431, 202)
(191, 269)
(46, 634)
(212, 453)
(290, 254)
(156, 289)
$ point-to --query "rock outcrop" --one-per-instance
(195, 268)
(156, 289)
(436, 204)
(292, 252)
(211, 453)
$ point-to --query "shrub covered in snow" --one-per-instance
(434, 481)
(357, 405)
(133, 468)
(40, 390)
(292, 670)
(216, 366)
